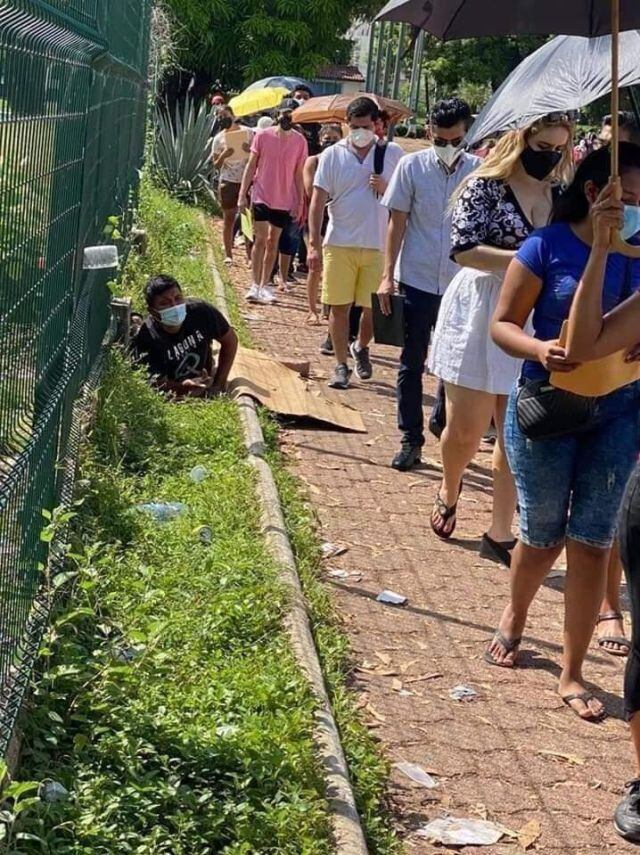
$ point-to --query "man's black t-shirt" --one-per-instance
(187, 353)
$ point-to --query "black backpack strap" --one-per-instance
(378, 158)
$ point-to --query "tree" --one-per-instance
(238, 41)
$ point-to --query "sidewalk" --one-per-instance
(514, 755)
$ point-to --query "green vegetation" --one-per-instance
(240, 41)
(168, 703)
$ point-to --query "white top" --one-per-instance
(422, 187)
(356, 215)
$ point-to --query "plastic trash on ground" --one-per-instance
(391, 598)
(332, 550)
(204, 535)
(163, 511)
(417, 775)
(463, 693)
(451, 831)
(199, 474)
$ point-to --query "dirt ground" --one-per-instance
(514, 754)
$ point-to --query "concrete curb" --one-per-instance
(347, 829)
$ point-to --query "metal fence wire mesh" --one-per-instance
(72, 120)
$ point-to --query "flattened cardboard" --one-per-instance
(283, 391)
(235, 140)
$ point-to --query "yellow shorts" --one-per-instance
(351, 275)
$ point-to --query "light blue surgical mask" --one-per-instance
(173, 316)
(631, 221)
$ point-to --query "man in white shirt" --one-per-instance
(352, 176)
(417, 255)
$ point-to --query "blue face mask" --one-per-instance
(173, 316)
(631, 221)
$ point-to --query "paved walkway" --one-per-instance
(514, 755)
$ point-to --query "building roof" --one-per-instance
(340, 72)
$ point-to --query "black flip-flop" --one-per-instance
(508, 646)
(620, 640)
(585, 697)
(497, 551)
(446, 514)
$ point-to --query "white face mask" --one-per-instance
(448, 154)
(361, 137)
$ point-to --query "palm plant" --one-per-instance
(182, 150)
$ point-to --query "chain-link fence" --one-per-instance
(72, 117)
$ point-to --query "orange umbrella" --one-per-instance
(333, 108)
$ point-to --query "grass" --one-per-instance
(369, 771)
(169, 705)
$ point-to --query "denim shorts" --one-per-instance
(573, 486)
(290, 238)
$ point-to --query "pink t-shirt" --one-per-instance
(279, 156)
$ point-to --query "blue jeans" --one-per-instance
(572, 486)
(420, 316)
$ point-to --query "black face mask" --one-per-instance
(225, 123)
(539, 164)
(285, 123)
(327, 144)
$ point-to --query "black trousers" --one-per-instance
(420, 316)
(630, 554)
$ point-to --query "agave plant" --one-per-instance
(181, 156)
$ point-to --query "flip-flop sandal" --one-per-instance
(585, 697)
(508, 646)
(496, 551)
(446, 513)
(620, 640)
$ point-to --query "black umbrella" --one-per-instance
(458, 19)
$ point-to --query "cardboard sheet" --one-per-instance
(599, 377)
(283, 391)
(235, 140)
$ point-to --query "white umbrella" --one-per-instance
(563, 75)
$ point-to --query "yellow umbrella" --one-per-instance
(257, 100)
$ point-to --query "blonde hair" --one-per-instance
(501, 161)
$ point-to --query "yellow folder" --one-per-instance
(599, 377)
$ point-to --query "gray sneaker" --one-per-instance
(364, 368)
(341, 375)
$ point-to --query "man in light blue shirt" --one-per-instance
(417, 255)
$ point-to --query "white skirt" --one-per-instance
(463, 352)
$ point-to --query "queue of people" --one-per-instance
(493, 258)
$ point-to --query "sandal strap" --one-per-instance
(445, 511)
(614, 639)
(508, 645)
(610, 616)
(585, 697)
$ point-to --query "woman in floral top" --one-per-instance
(507, 197)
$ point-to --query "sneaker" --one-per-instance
(268, 295)
(326, 348)
(253, 295)
(408, 457)
(364, 369)
(340, 379)
(626, 819)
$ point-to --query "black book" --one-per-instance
(389, 329)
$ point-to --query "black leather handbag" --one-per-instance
(545, 412)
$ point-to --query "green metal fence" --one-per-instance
(72, 118)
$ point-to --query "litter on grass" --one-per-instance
(462, 693)
(391, 598)
(332, 550)
(163, 511)
(52, 792)
(199, 474)
(417, 775)
(451, 831)
(204, 535)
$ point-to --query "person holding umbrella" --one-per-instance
(592, 336)
(570, 481)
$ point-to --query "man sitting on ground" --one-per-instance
(174, 342)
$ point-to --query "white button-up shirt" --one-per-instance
(422, 187)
